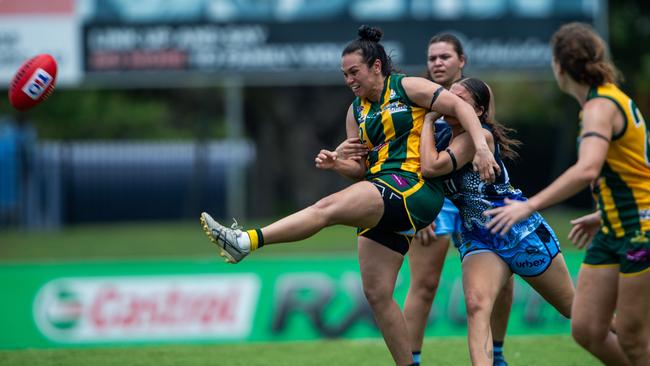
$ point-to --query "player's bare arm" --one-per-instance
(599, 118)
(459, 152)
(423, 93)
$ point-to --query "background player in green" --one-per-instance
(392, 201)
(614, 158)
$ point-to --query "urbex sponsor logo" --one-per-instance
(531, 264)
(147, 308)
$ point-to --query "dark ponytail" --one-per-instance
(368, 45)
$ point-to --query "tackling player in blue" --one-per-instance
(530, 250)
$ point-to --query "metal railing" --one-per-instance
(104, 181)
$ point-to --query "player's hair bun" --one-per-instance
(371, 34)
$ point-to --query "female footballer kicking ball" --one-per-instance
(445, 62)
(392, 201)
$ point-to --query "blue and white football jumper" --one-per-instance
(527, 248)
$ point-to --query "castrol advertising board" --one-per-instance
(143, 308)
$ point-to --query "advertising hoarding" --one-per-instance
(192, 301)
(32, 27)
(303, 40)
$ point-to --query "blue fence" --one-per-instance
(80, 182)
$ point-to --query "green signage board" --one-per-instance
(93, 303)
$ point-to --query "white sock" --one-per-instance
(244, 241)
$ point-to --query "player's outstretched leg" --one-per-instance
(359, 205)
(225, 238)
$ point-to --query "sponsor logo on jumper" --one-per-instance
(395, 107)
(358, 110)
(640, 237)
(638, 255)
(644, 214)
(378, 147)
(399, 180)
(372, 116)
(147, 308)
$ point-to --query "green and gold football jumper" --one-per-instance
(391, 129)
(622, 191)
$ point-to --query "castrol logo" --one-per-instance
(147, 308)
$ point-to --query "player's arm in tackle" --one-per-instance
(598, 128)
(428, 94)
(459, 152)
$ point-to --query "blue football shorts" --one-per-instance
(448, 221)
(529, 256)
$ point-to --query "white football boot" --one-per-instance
(225, 238)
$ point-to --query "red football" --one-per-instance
(33, 82)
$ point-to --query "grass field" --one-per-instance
(186, 240)
(452, 351)
(183, 239)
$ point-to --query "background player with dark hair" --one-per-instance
(445, 62)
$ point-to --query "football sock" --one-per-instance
(497, 349)
(255, 239)
(416, 358)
